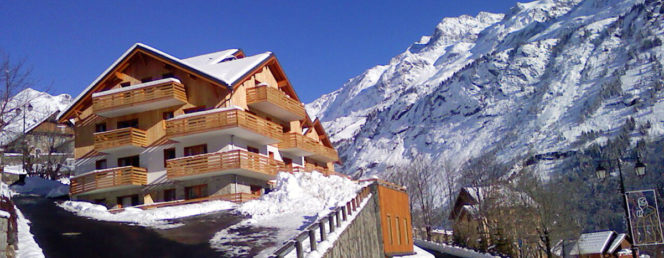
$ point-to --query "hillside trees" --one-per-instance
(426, 182)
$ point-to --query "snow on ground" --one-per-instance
(419, 253)
(41, 186)
(27, 247)
(157, 217)
(64, 181)
(298, 199)
(14, 169)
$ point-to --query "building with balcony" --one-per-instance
(156, 128)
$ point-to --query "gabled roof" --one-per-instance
(616, 243)
(593, 243)
(212, 66)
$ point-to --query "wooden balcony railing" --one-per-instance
(275, 97)
(128, 136)
(308, 167)
(325, 153)
(220, 161)
(210, 120)
(108, 178)
(298, 141)
(153, 91)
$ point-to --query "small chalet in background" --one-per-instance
(48, 146)
(596, 244)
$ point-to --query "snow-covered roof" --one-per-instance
(231, 71)
(208, 65)
(211, 58)
(592, 243)
(616, 243)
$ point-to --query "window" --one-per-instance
(396, 223)
(125, 84)
(270, 154)
(129, 161)
(195, 150)
(389, 229)
(169, 195)
(146, 79)
(405, 230)
(128, 123)
(101, 201)
(129, 200)
(256, 190)
(194, 109)
(100, 127)
(100, 164)
(196, 191)
(167, 115)
(169, 154)
(288, 162)
(253, 149)
(167, 75)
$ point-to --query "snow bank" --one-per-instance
(148, 218)
(43, 187)
(298, 199)
(27, 247)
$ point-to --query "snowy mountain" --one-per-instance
(548, 76)
(43, 105)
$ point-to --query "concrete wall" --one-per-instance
(363, 237)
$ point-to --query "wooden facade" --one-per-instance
(395, 219)
(150, 105)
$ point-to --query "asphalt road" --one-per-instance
(62, 234)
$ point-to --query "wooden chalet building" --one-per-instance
(156, 128)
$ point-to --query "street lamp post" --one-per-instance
(26, 107)
(640, 170)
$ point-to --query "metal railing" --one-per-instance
(107, 178)
(325, 225)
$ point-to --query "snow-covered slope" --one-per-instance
(538, 79)
(43, 105)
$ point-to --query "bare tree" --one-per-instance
(421, 179)
(14, 77)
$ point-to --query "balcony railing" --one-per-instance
(275, 102)
(138, 98)
(108, 179)
(298, 144)
(324, 153)
(308, 167)
(223, 161)
(120, 138)
(211, 120)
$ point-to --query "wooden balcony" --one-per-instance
(139, 98)
(238, 162)
(108, 179)
(223, 122)
(120, 139)
(275, 102)
(298, 144)
(325, 154)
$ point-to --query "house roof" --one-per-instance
(593, 243)
(616, 243)
(217, 66)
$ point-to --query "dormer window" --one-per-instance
(146, 79)
(167, 75)
(125, 84)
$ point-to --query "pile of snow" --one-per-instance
(27, 247)
(14, 169)
(298, 199)
(43, 187)
(148, 218)
(419, 253)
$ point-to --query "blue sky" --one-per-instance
(320, 44)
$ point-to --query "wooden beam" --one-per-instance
(283, 83)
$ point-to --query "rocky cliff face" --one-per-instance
(548, 76)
